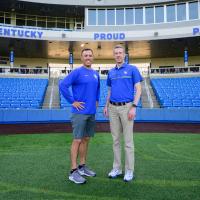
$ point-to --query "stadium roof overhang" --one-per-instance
(98, 2)
(41, 8)
(102, 50)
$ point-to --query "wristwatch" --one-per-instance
(134, 105)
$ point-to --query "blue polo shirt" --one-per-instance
(85, 85)
(121, 81)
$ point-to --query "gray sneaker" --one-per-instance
(86, 171)
(76, 177)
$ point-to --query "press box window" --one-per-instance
(92, 17)
(149, 15)
(101, 17)
(193, 10)
(159, 14)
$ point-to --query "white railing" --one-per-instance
(23, 71)
(175, 70)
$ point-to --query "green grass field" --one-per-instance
(36, 167)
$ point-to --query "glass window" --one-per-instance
(2, 17)
(101, 17)
(193, 10)
(20, 20)
(5, 18)
(92, 17)
(41, 21)
(51, 22)
(67, 25)
(129, 16)
(7, 21)
(2, 20)
(159, 14)
(60, 22)
(110, 17)
(139, 16)
(8, 15)
(31, 21)
(149, 15)
(119, 16)
(181, 12)
(171, 13)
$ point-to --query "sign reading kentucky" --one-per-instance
(109, 36)
(21, 33)
(57, 34)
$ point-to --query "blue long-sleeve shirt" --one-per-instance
(85, 85)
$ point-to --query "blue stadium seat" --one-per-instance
(177, 92)
(102, 100)
(22, 92)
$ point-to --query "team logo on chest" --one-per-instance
(125, 72)
(95, 76)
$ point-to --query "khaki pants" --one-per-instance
(119, 124)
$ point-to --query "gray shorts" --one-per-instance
(83, 125)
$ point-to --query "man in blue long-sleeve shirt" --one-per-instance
(85, 84)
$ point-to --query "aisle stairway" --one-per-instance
(148, 97)
(52, 99)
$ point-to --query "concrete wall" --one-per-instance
(178, 61)
(155, 62)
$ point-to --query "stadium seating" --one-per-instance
(177, 92)
(103, 94)
(19, 93)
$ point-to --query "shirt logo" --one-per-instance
(95, 76)
(125, 72)
(86, 75)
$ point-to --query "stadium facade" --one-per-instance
(150, 30)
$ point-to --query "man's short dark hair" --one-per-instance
(86, 49)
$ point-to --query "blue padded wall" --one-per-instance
(186, 115)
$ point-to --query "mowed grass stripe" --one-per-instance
(12, 188)
(37, 166)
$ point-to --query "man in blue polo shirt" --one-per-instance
(120, 107)
(85, 84)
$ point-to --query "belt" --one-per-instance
(119, 103)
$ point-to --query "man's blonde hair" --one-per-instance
(119, 47)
